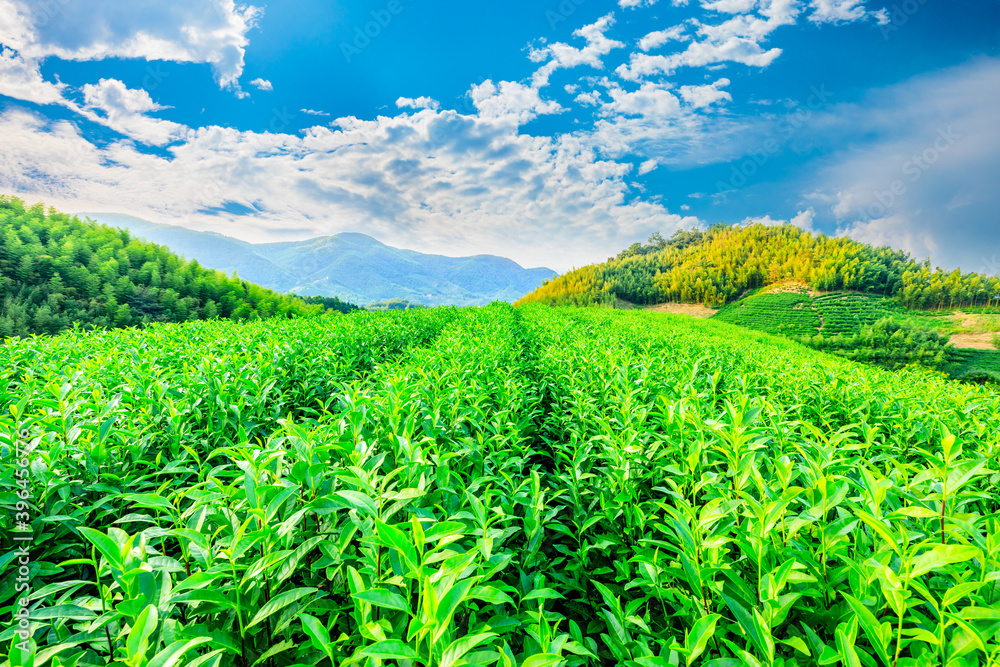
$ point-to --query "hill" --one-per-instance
(875, 305)
(352, 266)
(718, 266)
(57, 271)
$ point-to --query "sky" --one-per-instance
(554, 132)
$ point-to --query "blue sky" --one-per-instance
(551, 131)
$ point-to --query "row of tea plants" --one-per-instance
(491, 486)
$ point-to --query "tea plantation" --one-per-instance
(498, 486)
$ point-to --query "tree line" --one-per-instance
(719, 265)
(57, 270)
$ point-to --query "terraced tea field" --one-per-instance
(494, 486)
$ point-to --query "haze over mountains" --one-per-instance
(351, 266)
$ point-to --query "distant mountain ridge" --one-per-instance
(352, 266)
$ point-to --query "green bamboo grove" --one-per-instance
(498, 486)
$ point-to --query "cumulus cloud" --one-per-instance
(313, 112)
(262, 84)
(417, 103)
(729, 6)
(737, 40)
(22, 80)
(511, 101)
(650, 100)
(111, 103)
(430, 180)
(196, 31)
(841, 11)
(703, 96)
(647, 166)
(563, 56)
(658, 38)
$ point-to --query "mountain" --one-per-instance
(57, 271)
(351, 266)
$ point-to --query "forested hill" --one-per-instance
(56, 270)
(717, 266)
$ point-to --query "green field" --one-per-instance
(498, 486)
(818, 319)
(797, 313)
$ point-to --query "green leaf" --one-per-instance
(358, 501)
(384, 598)
(845, 649)
(19, 657)
(105, 545)
(208, 660)
(543, 660)
(543, 594)
(173, 654)
(940, 556)
(491, 595)
(280, 647)
(873, 631)
(748, 623)
(460, 647)
(149, 500)
(278, 603)
(448, 604)
(389, 649)
(316, 631)
(145, 625)
(698, 638)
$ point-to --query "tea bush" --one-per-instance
(492, 486)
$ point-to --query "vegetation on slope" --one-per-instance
(865, 328)
(513, 487)
(719, 265)
(57, 271)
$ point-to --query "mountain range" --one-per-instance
(352, 266)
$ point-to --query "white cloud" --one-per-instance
(262, 84)
(804, 219)
(564, 56)
(652, 100)
(838, 11)
(898, 232)
(647, 166)
(937, 143)
(633, 4)
(23, 80)
(124, 110)
(417, 103)
(197, 31)
(656, 39)
(737, 40)
(313, 112)
(511, 101)
(729, 6)
(113, 97)
(703, 96)
(433, 180)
